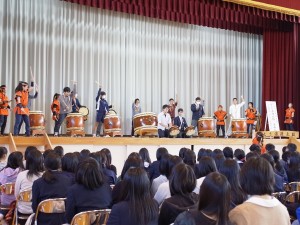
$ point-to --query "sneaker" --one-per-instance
(94, 135)
(55, 134)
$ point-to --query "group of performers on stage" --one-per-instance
(66, 103)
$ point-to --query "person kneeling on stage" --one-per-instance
(220, 116)
(180, 121)
(289, 117)
(164, 122)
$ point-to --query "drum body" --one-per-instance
(37, 120)
(74, 121)
(206, 125)
(174, 131)
(145, 123)
(239, 126)
(85, 112)
(189, 131)
(112, 124)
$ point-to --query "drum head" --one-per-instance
(189, 131)
(84, 111)
(112, 112)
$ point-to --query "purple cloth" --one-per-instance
(8, 175)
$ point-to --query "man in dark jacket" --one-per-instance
(180, 121)
(198, 111)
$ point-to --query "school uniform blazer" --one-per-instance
(197, 113)
(177, 122)
(154, 170)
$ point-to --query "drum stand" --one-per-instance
(207, 134)
(39, 131)
(113, 133)
(75, 133)
(149, 132)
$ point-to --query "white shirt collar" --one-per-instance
(269, 203)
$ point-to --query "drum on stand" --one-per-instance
(174, 131)
(75, 124)
(37, 122)
(84, 111)
(112, 125)
(206, 127)
(239, 128)
(145, 124)
(189, 131)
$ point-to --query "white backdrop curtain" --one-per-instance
(131, 56)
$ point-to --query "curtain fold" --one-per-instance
(130, 55)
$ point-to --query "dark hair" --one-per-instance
(269, 158)
(239, 154)
(201, 153)
(19, 87)
(165, 106)
(138, 186)
(89, 174)
(257, 177)
(286, 156)
(182, 152)
(29, 149)
(293, 171)
(255, 148)
(84, 154)
(217, 152)
(270, 147)
(206, 166)
(59, 150)
(46, 152)
(219, 160)
(251, 103)
(52, 162)
(144, 154)
(218, 203)
(183, 180)
(209, 152)
(135, 100)
(180, 110)
(234, 99)
(228, 152)
(160, 152)
(164, 165)
(284, 149)
(251, 155)
(107, 153)
(198, 99)
(102, 93)
(34, 163)
(172, 162)
(278, 167)
(67, 89)
(15, 160)
(69, 162)
(292, 147)
(56, 96)
(231, 170)
(3, 151)
(190, 158)
(132, 161)
(171, 99)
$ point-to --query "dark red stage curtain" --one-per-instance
(281, 70)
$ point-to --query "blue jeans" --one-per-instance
(19, 118)
(3, 120)
(59, 122)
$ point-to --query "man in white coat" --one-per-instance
(235, 112)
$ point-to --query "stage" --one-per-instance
(121, 147)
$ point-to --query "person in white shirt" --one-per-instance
(235, 112)
(164, 122)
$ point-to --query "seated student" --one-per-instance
(90, 192)
(231, 170)
(180, 122)
(291, 147)
(154, 167)
(34, 170)
(163, 169)
(212, 208)
(144, 154)
(182, 183)
(293, 171)
(278, 168)
(108, 164)
(257, 180)
(53, 184)
(239, 156)
(190, 158)
(206, 166)
(9, 175)
(164, 122)
(3, 157)
(69, 163)
(59, 150)
(270, 147)
(138, 208)
(201, 153)
(255, 148)
(84, 154)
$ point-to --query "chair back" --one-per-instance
(293, 197)
(293, 186)
(281, 196)
(25, 196)
(8, 188)
(53, 205)
(97, 217)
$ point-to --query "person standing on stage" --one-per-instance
(198, 111)
(75, 103)
(55, 107)
(220, 115)
(250, 114)
(289, 117)
(180, 122)
(4, 107)
(102, 108)
(136, 109)
(65, 101)
(21, 109)
(235, 112)
(164, 122)
(172, 108)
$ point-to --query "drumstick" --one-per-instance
(31, 74)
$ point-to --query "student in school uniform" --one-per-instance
(289, 117)
(198, 111)
(164, 122)
(180, 121)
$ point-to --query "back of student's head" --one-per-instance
(34, 163)
(182, 152)
(201, 153)
(286, 156)
(219, 160)
(183, 180)
(3, 152)
(217, 152)
(15, 160)
(257, 177)
(89, 174)
(294, 161)
(164, 165)
(52, 163)
(228, 152)
(206, 166)
(27, 150)
(142, 207)
(214, 197)
(69, 162)
(160, 152)
(255, 148)
(172, 162)
(131, 162)
(46, 152)
(239, 154)
(291, 147)
(108, 156)
(251, 155)
(189, 158)
(269, 158)
(59, 150)
(144, 154)
(84, 154)
(270, 147)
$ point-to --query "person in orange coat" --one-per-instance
(220, 116)
(259, 140)
(21, 109)
(55, 107)
(250, 114)
(4, 107)
(289, 117)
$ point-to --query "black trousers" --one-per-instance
(222, 127)
(163, 133)
(3, 121)
(289, 126)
